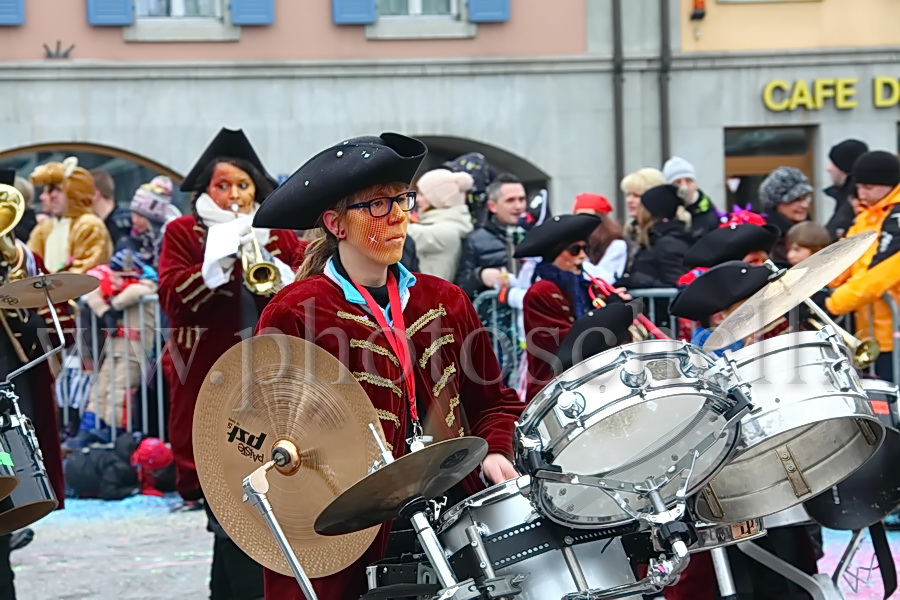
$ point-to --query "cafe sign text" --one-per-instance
(781, 95)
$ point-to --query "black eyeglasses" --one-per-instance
(381, 207)
(576, 249)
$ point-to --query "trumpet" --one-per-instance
(261, 276)
(642, 328)
(865, 351)
(12, 208)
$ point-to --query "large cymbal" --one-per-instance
(29, 292)
(787, 292)
(379, 497)
(271, 388)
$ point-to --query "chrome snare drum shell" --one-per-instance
(626, 414)
(811, 427)
(33, 498)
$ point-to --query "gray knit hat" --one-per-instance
(783, 186)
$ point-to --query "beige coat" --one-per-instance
(439, 236)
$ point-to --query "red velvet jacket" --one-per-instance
(204, 324)
(458, 383)
(548, 317)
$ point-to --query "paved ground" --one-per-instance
(138, 550)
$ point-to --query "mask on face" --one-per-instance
(231, 188)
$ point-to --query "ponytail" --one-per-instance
(322, 247)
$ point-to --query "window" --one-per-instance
(179, 8)
(416, 8)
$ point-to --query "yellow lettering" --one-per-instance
(822, 89)
(769, 95)
(845, 90)
(801, 96)
(889, 85)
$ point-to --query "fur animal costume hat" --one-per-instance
(75, 181)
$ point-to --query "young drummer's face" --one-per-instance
(380, 238)
(232, 188)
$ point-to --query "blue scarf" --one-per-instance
(574, 286)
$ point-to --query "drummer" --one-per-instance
(709, 300)
(561, 294)
(353, 296)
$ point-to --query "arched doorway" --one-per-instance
(128, 170)
(445, 148)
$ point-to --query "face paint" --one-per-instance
(231, 188)
(382, 238)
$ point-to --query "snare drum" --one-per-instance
(626, 414)
(811, 426)
(872, 492)
(33, 498)
(553, 559)
(720, 535)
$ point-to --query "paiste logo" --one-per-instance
(237, 434)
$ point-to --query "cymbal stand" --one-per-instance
(414, 510)
(256, 486)
(727, 589)
(7, 389)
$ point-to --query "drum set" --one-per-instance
(26, 494)
(656, 445)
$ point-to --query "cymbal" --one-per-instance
(797, 284)
(379, 497)
(29, 292)
(276, 388)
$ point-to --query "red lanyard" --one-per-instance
(396, 337)
(596, 300)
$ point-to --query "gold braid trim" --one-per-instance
(557, 296)
(376, 349)
(462, 432)
(454, 402)
(187, 282)
(386, 415)
(389, 446)
(194, 294)
(439, 386)
(378, 380)
(202, 300)
(357, 318)
(422, 321)
(430, 350)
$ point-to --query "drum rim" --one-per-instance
(502, 491)
(880, 385)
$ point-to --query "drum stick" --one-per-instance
(606, 288)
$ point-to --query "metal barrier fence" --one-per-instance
(135, 397)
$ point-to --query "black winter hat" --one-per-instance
(552, 236)
(719, 288)
(228, 143)
(336, 173)
(662, 201)
(731, 243)
(844, 154)
(877, 168)
(597, 331)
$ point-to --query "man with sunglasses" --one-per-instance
(413, 342)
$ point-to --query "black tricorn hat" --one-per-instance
(551, 237)
(336, 173)
(731, 243)
(8, 176)
(228, 143)
(597, 331)
(719, 288)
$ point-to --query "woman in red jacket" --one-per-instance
(413, 342)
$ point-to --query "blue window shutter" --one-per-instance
(12, 12)
(353, 12)
(110, 13)
(252, 12)
(488, 11)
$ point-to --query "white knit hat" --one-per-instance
(677, 168)
(443, 188)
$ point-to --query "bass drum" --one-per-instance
(518, 541)
(33, 498)
(872, 492)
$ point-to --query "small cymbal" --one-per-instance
(279, 389)
(379, 497)
(29, 292)
(787, 292)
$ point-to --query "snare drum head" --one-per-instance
(596, 419)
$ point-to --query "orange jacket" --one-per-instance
(861, 287)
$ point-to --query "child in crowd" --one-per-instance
(805, 239)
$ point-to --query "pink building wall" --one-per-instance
(303, 30)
